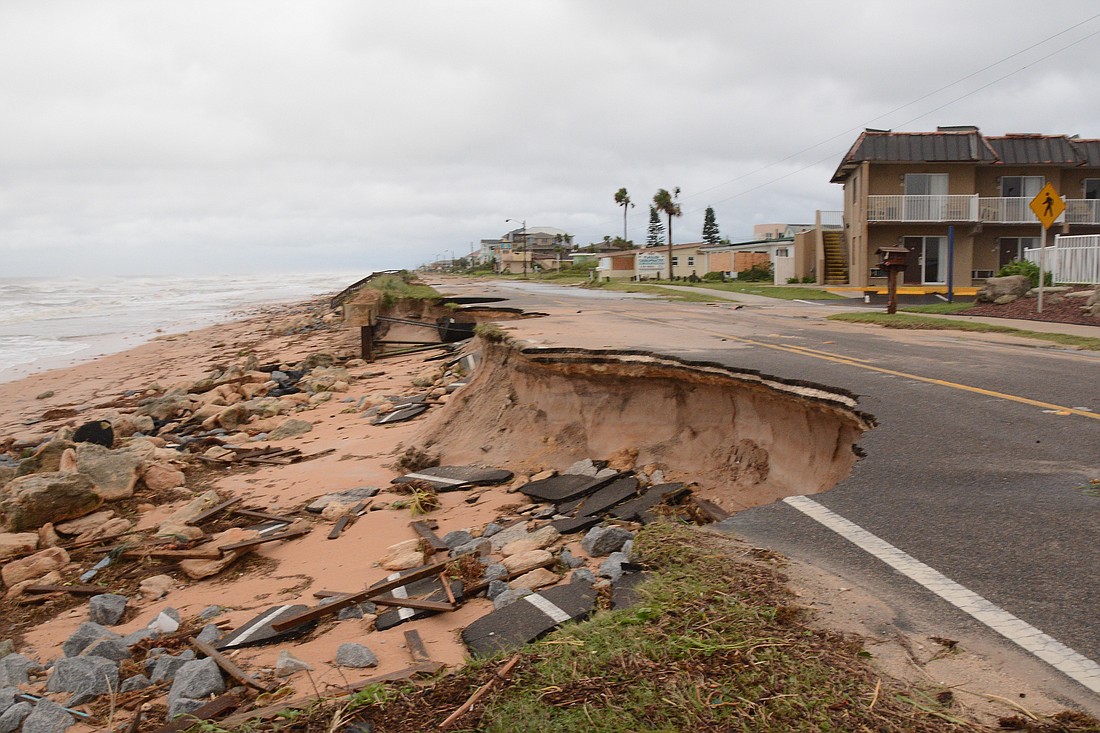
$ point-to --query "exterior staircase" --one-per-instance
(836, 257)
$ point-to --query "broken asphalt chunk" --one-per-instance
(450, 478)
(528, 619)
(259, 630)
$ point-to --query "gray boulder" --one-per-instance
(86, 677)
(355, 655)
(612, 567)
(15, 670)
(195, 680)
(582, 575)
(996, 289)
(457, 538)
(137, 682)
(509, 597)
(209, 634)
(287, 664)
(496, 587)
(482, 547)
(31, 501)
(13, 717)
(7, 697)
(569, 560)
(85, 635)
(601, 541)
(47, 717)
(107, 609)
(167, 666)
(291, 428)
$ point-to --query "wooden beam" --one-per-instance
(263, 515)
(214, 510)
(421, 528)
(288, 535)
(76, 590)
(414, 603)
(415, 645)
(229, 667)
(352, 598)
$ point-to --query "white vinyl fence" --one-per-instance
(1072, 260)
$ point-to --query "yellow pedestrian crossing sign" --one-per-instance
(1047, 205)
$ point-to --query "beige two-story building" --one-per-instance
(958, 200)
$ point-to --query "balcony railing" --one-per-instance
(934, 208)
(831, 219)
(973, 208)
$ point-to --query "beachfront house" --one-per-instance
(958, 200)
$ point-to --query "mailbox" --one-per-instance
(892, 257)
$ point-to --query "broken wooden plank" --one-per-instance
(199, 553)
(421, 528)
(338, 528)
(263, 515)
(419, 605)
(76, 590)
(405, 612)
(501, 675)
(375, 590)
(311, 456)
(288, 535)
(229, 667)
(214, 708)
(415, 645)
(214, 510)
(474, 589)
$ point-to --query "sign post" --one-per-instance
(1048, 206)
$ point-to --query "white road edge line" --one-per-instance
(1050, 650)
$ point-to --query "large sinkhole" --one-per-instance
(744, 438)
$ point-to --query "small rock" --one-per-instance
(159, 477)
(537, 578)
(585, 467)
(352, 496)
(34, 566)
(210, 634)
(582, 575)
(457, 538)
(165, 666)
(85, 635)
(45, 395)
(287, 664)
(137, 682)
(355, 655)
(526, 560)
(291, 428)
(113, 649)
(47, 717)
(210, 612)
(612, 567)
(156, 587)
(496, 587)
(569, 560)
(107, 608)
(495, 571)
(7, 646)
(17, 543)
(491, 529)
(402, 556)
(114, 474)
(13, 717)
(28, 502)
(15, 670)
(601, 541)
(196, 679)
(481, 547)
(86, 677)
(509, 597)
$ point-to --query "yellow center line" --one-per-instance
(801, 351)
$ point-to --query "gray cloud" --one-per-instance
(174, 137)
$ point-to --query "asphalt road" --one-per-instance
(986, 489)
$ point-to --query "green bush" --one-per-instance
(713, 276)
(756, 274)
(793, 281)
(1023, 267)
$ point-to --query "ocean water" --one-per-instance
(51, 322)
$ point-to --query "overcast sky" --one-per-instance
(147, 137)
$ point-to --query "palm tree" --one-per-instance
(666, 203)
(622, 198)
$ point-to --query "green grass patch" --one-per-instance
(905, 321)
(402, 285)
(939, 308)
(782, 292)
(629, 286)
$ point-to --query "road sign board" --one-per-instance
(1047, 205)
(649, 261)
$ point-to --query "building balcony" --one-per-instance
(972, 208)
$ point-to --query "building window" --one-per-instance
(691, 261)
(1021, 186)
(1092, 188)
(925, 184)
(781, 252)
(675, 260)
(1012, 248)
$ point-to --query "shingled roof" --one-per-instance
(967, 145)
